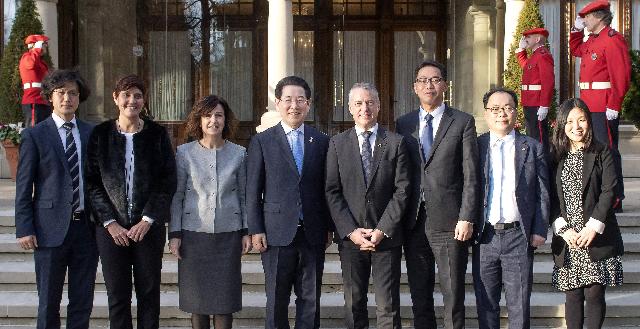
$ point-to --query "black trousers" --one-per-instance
(298, 265)
(596, 306)
(357, 267)
(144, 258)
(606, 132)
(538, 130)
(77, 257)
(41, 111)
(420, 274)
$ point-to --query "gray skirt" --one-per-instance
(209, 273)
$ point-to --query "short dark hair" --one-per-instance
(514, 96)
(604, 14)
(129, 81)
(203, 107)
(560, 143)
(292, 80)
(56, 79)
(442, 68)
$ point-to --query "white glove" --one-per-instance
(522, 44)
(611, 114)
(579, 23)
(39, 44)
(542, 113)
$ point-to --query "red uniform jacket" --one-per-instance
(33, 69)
(604, 58)
(537, 70)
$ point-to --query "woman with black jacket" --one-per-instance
(587, 244)
(131, 178)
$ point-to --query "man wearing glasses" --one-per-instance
(605, 75)
(514, 185)
(444, 202)
(287, 213)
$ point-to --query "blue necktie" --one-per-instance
(71, 152)
(427, 136)
(366, 155)
(497, 166)
(297, 149)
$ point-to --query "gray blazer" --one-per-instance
(210, 196)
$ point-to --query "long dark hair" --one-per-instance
(560, 143)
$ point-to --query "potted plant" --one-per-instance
(10, 138)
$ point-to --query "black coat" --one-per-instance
(598, 185)
(154, 174)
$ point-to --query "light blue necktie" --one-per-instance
(497, 166)
(297, 149)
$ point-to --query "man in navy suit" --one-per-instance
(514, 220)
(287, 212)
(52, 217)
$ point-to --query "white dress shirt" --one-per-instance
(76, 136)
(435, 122)
(288, 130)
(506, 196)
(372, 138)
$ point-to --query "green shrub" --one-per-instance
(631, 103)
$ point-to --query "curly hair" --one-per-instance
(57, 79)
(204, 107)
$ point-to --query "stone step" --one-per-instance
(546, 308)
(20, 276)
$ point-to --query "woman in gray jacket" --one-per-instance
(208, 228)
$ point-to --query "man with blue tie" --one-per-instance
(52, 214)
(514, 183)
(288, 216)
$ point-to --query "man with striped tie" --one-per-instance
(52, 217)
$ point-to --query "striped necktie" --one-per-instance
(71, 153)
(366, 155)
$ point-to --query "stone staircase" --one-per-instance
(18, 297)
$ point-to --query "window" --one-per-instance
(354, 7)
(303, 62)
(302, 7)
(416, 7)
(410, 49)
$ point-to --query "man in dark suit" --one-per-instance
(287, 212)
(367, 189)
(52, 217)
(514, 184)
(443, 205)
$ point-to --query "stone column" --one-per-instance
(511, 14)
(49, 17)
(484, 56)
(280, 45)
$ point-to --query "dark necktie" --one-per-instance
(366, 155)
(427, 136)
(71, 153)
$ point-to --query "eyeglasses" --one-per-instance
(434, 80)
(300, 101)
(496, 109)
(70, 93)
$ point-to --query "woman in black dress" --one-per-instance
(587, 244)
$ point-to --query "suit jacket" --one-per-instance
(449, 176)
(598, 185)
(379, 204)
(532, 185)
(154, 177)
(44, 188)
(210, 196)
(277, 194)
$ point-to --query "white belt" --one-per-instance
(32, 85)
(531, 87)
(595, 85)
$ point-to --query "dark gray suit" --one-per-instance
(44, 194)
(505, 257)
(445, 191)
(276, 197)
(377, 204)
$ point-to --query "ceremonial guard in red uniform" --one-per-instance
(538, 81)
(32, 70)
(605, 75)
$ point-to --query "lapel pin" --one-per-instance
(524, 148)
(310, 139)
